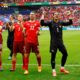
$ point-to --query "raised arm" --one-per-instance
(1, 25)
(22, 26)
(44, 23)
(69, 22)
(10, 26)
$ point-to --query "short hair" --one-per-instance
(32, 12)
(12, 16)
(20, 15)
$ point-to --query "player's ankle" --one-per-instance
(62, 67)
(63, 70)
(26, 72)
(54, 73)
(39, 68)
(53, 70)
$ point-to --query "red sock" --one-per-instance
(39, 61)
(23, 64)
(0, 63)
(26, 62)
(13, 65)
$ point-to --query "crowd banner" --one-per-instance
(41, 3)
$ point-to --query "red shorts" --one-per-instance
(1, 41)
(18, 46)
(31, 47)
(0, 47)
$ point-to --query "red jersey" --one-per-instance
(18, 34)
(31, 31)
(1, 23)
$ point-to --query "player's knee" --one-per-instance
(0, 49)
(53, 51)
(65, 54)
(14, 55)
(26, 55)
(0, 52)
(53, 54)
(38, 55)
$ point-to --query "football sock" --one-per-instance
(26, 62)
(53, 70)
(23, 63)
(53, 56)
(62, 67)
(39, 60)
(0, 64)
(13, 64)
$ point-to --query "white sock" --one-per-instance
(62, 67)
(54, 70)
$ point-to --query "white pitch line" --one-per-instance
(69, 65)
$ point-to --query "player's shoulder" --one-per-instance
(49, 21)
(26, 22)
(37, 21)
(15, 23)
(1, 23)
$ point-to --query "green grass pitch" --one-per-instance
(72, 43)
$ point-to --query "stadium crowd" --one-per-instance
(10, 1)
(73, 10)
(25, 32)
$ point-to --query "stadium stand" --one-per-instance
(74, 10)
(16, 1)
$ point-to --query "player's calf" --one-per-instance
(26, 62)
(13, 63)
(39, 62)
(1, 69)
